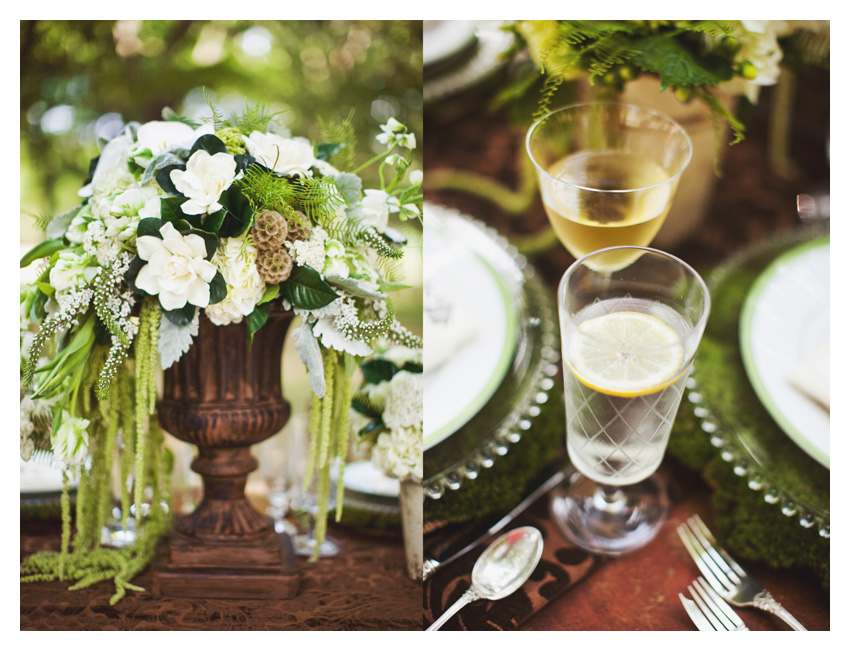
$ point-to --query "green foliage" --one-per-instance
(342, 132)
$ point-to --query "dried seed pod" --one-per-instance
(269, 230)
(274, 265)
(298, 230)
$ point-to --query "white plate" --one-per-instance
(363, 477)
(484, 282)
(444, 38)
(785, 318)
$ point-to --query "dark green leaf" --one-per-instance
(149, 226)
(210, 144)
(257, 319)
(378, 370)
(183, 316)
(305, 289)
(212, 223)
(42, 250)
(412, 367)
(243, 162)
(133, 270)
(170, 208)
(238, 212)
(218, 288)
(163, 177)
(326, 151)
(371, 427)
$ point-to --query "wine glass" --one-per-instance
(629, 335)
(607, 172)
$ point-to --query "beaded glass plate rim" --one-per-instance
(730, 449)
(511, 429)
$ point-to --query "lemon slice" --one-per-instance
(625, 354)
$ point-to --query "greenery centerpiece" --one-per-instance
(222, 218)
(694, 59)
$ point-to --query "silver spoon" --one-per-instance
(503, 567)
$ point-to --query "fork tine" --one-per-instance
(713, 542)
(721, 604)
(717, 579)
(695, 614)
(724, 572)
(712, 599)
(707, 611)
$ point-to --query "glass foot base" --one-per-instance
(622, 521)
(305, 545)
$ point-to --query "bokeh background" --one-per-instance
(82, 80)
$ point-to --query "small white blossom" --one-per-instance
(374, 209)
(176, 269)
(311, 252)
(71, 270)
(415, 177)
(237, 263)
(286, 156)
(204, 180)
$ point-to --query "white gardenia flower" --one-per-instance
(176, 269)
(237, 263)
(286, 156)
(204, 180)
(70, 442)
(374, 209)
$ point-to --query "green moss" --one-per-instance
(498, 489)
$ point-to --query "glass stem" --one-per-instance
(609, 499)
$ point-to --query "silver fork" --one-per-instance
(725, 576)
(708, 611)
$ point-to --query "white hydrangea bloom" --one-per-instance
(398, 454)
(237, 263)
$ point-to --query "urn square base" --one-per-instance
(265, 568)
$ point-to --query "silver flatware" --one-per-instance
(500, 570)
(725, 576)
(438, 561)
(708, 611)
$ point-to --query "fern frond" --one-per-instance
(217, 117)
(267, 191)
(256, 118)
(341, 132)
(41, 221)
(317, 198)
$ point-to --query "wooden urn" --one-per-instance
(224, 396)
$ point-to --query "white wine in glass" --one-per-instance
(607, 173)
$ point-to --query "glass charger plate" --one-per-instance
(504, 409)
(729, 409)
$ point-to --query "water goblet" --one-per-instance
(629, 333)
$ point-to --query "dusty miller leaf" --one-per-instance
(311, 355)
(174, 340)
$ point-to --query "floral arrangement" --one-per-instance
(179, 219)
(390, 407)
(693, 58)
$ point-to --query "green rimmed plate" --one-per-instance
(785, 319)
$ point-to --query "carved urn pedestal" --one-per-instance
(223, 397)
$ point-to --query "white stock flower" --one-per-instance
(374, 209)
(237, 264)
(203, 181)
(176, 269)
(286, 156)
(70, 442)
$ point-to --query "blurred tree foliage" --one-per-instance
(80, 80)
